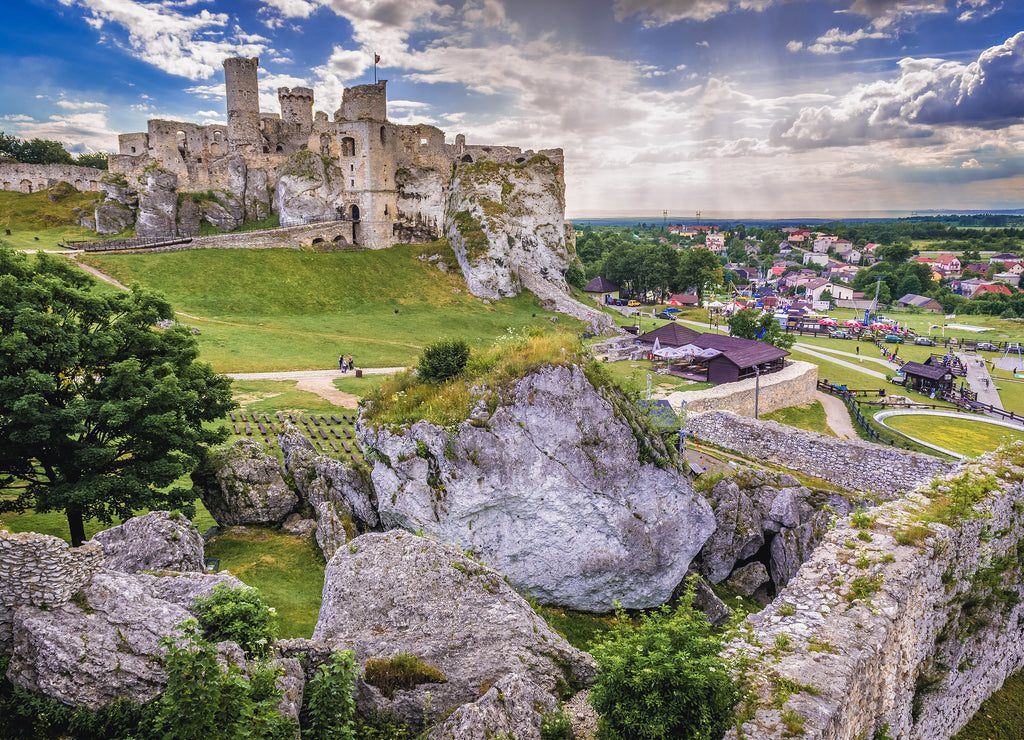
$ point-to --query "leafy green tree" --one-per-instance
(909, 284)
(202, 700)
(751, 323)
(99, 410)
(665, 679)
(331, 707)
(443, 360)
(576, 277)
(698, 268)
(239, 615)
(895, 254)
(97, 160)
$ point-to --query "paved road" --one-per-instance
(859, 367)
(979, 379)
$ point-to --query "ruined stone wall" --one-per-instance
(31, 178)
(902, 639)
(794, 385)
(40, 570)
(364, 103)
(852, 464)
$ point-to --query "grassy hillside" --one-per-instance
(32, 215)
(283, 309)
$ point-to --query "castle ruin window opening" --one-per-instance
(383, 135)
(217, 138)
(182, 141)
(325, 144)
(423, 141)
(348, 147)
(467, 159)
(279, 149)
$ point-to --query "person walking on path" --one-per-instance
(351, 363)
(341, 362)
(859, 358)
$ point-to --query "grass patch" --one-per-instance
(270, 396)
(970, 438)
(580, 629)
(282, 309)
(1001, 716)
(809, 416)
(401, 672)
(31, 215)
(287, 571)
(631, 375)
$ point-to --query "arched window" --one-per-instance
(348, 147)
(182, 142)
(217, 137)
(467, 159)
(325, 144)
(279, 149)
(383, 135)
(355, 212)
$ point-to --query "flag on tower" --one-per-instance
(376, 58)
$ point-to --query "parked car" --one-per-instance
(987, 347)
(633, 303)
(665, 315)
(673, 309)
(840, 334)
(894, 339)
(923, 340)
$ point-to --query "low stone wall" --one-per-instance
(794, 385)
(290, 237)
(852, 464)
(876, 637)
(39, 569)
(31, 178)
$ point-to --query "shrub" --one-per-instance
(663, 679)
(400, 672)
(237, 614)
(443, 360)
(556, 726)
(203, 701)
(330, 706)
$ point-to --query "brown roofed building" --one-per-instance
(739, 356)
(670, 335)
(927, 378)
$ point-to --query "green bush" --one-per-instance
(664, 678)
(556, 726)
(443, 360)
(203, 701)
(330, 708)
(400, 672)
(237, 614)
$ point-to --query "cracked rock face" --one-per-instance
(153, 541)
(394, 592)
(244, 485)
(550, 490)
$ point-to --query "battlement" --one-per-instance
(364, 103)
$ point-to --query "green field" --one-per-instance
(970, 438)
(282, 309)
(36, 223)
(810, 417)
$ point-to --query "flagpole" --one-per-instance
(374, 68)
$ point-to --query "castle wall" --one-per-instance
(897, 640)
(40, 570)
(364, 103)
(848, 463)
(794, 385)
(296, 105)
(31, 178)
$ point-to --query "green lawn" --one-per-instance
(970, 438)
(29, 216)
(632, 375)
(1001, 716)
(810, 416)
(282, 309)
(287, 571)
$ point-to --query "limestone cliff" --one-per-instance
(307, 187)
(557, 488)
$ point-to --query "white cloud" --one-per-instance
(887, 14)
(17, 118)
(79, 105)
(78, 132)
(795, 45)
(835, 41)
(971, 164)
(192, 46)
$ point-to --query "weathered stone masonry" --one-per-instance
(906, 639)
(31, 178)
(40, 570)
(850, 464)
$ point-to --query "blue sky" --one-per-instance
(757, 107)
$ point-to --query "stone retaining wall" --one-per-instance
(852, 464)
(290, 237)
(794, 385)
(878, 639)
(39, 569)
(31, 178)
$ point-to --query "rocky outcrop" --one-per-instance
(158, 203)
(307, 188)
(505, 219)
(244, 485)
(557, 488)
(767, 515)
(153, 541)
(395, 592)
(339, 493)
(109, 218)
(514, 707)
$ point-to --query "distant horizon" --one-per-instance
(691, 217)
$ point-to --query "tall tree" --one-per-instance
(750, 323)
(698, 268)
(98, 408)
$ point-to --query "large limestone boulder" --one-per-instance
(109, 218)
(395, 592)
(158, 203)
(308, 188)
(514, 707)
(504, 219)
(244, 485)
(553, 489)
(153, 541)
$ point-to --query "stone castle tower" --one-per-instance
(243, 95)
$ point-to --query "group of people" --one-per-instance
(345, 364)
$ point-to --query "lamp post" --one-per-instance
(757, 387)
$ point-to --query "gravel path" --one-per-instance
(320, 382)
(836, 416)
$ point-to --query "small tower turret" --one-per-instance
(296, 105)
(364, 103)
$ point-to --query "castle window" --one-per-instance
(182, 144)
(325, 144)
(355, 213)
(383, 135)
(423, 141)
(348, 147)
(266, 150)
(199, 160)
(133, 150)
(351, 168)
(385, 209)
(279, 149)
(217, 137)
(467, 159)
